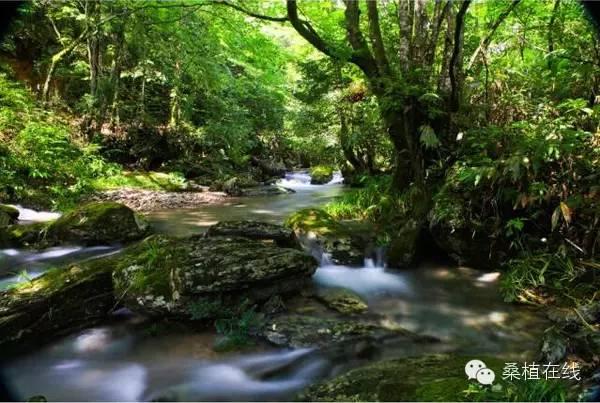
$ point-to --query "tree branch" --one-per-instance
(376, 39)
(251, 13)
(361, 55)
(485, 42)
(306, 30)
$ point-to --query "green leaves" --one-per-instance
(428, 137)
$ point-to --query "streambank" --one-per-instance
(367, 311)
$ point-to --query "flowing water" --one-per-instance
(129, 360)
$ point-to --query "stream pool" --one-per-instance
(127, 360)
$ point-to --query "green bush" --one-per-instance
(40, 163)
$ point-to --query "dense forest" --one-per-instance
(467, 227)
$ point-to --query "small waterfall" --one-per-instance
(30, 215)
(301, 180)
(375, 259)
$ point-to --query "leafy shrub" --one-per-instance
(519, 391)
(40, 163)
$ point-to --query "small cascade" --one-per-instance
(29, 215)
(301, 180)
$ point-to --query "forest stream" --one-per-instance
(127, 360)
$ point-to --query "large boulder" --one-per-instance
(201, 277)
(280, 235)
(97, 223)
(60, 301)
(321, 174)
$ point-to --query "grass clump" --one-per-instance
(519, 391)
(170, 181)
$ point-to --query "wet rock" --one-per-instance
(344, 242)
(90, 224)
(280, 235)
(8, 215)
(554, 347)
(321, 174)
(342, 300)
(298, 331)
(265, 190)
(200, 277)
(426, 378)
(56, 303)
(234, 186)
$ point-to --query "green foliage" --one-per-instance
(537, 273)
(519, 391)
(321, 174)
(235, 325)
(172, 181)
(237, 329)
(39, 161)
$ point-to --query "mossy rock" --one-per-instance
(321, 174)
(427, 378)
(97, 223)
(25, 235)
(199, 276)
(298, 331)
(61, 300)
(8, 215)
(345, 241)
(342, 300)
(280, 235)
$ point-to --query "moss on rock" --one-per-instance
(97, 223)
(427, 378)
(258, 230)
(321, 174)
(298, 331)
(56, 303)
(345, 241)
(164, 275)
(403, 245)
(342, 300)
(8, 215)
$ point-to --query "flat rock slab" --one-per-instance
(299, 331)
(151, 200)
(204, 276)
(280, 235)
